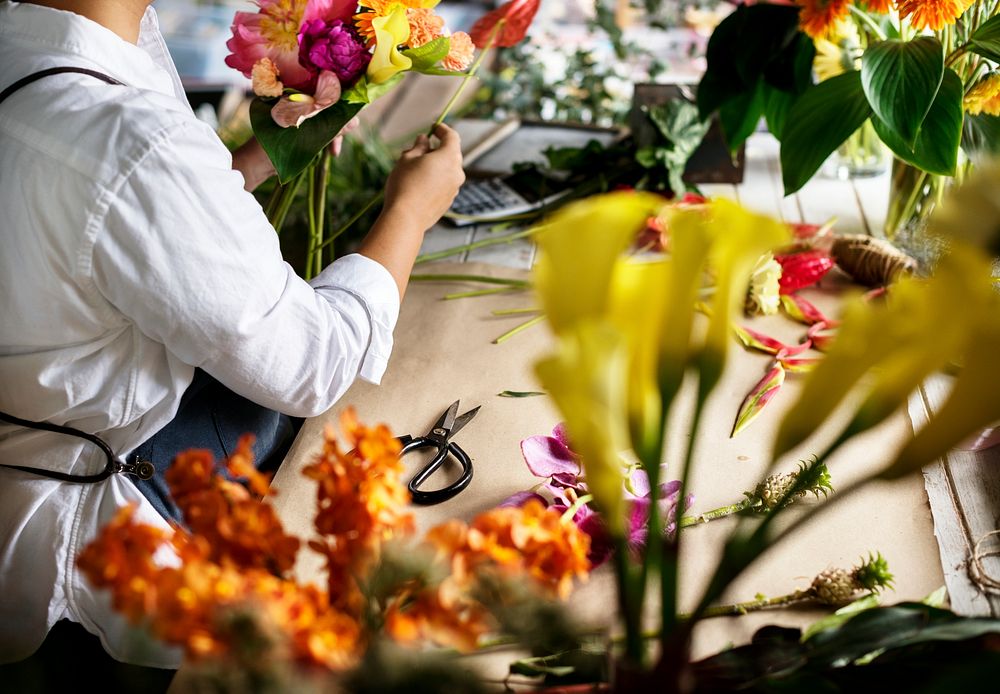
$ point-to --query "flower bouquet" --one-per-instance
(314, 64)
(922, 73)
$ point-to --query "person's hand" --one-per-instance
(252, 161)
(425, 181)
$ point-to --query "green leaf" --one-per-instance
(430, 54)
(292, 149)
(740, 116)
(985, 40)
(791, 71)
(841, 616)
(818, 122)
(901, 79)
(981, 135)
(936, 148)
(519, 393)
(777, 104)
(537, 667)
(681, 127)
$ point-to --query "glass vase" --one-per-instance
(913, 196)
(862, 155)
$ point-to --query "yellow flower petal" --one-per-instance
(391, 31)
(587, 379)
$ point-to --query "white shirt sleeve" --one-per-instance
(188, 256)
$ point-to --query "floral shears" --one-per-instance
(439, 437)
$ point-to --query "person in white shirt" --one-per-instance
(132, 258)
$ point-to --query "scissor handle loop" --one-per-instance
(436, 496)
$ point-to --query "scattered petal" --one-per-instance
(761, 394)
(546, 456)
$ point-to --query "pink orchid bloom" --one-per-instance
(551, 457)
(294, 109)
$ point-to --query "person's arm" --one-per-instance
(419, 191)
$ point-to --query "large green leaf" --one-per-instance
(739, 117)
(818, 122)
(936, 148)
(981, 135)
(985, 40)
(292, 149)
(777, 104)
(901, 79)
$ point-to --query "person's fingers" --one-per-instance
(337, 145)
(421, 146)
(448, 137)
(351, 126)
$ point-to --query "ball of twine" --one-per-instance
(986, 581)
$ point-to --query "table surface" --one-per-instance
(963, 488)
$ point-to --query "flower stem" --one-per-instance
(358, 215)
(469, 75)
(715, 514)
(515, 311)
(283, 202)
(869, 21)
(448, 252)
(741, 608)
(569, 513)
(523, 326)
(485, 279)
(313, 229)
(481, 292)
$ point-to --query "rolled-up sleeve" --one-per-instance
(189, 256)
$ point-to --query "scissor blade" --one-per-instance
(462, 420)
(447, 420)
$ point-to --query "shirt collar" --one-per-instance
(145, 66)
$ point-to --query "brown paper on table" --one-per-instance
(443, 352)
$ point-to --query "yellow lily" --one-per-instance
(587, 379)
(391, 31)
(637, 303)
(578, 252)
(742, 238)
(691, 239)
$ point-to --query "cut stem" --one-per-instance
(522, 327)
(483, 243)
(481, 292)
(485, 279)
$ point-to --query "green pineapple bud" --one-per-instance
(873, 574)
(836, 587)
(815, 479)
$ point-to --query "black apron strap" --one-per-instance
(142, 470)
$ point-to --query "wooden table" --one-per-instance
(963, 488)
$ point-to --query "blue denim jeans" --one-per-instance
(212, 417)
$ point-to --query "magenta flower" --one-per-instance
(333, 46)
(551, 457)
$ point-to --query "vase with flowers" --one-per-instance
(925, 79)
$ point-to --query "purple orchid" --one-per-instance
(551, 458)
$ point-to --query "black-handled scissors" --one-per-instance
(439, 437)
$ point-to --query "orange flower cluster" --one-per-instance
(237, 527)
(235, 559)
(361, 502)
(186, 604)
(531, 540)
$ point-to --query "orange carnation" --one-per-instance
(460, 53)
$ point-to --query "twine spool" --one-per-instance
(870, 261)
(977, 572)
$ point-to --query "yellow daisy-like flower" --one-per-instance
(984, 97)
(383, 8)
(837, 52)
(932, 14)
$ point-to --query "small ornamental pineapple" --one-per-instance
(769, 493)
(836, 587)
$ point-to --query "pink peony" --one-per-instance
(270, 33)
(333, 46)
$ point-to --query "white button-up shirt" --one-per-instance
(129, 255)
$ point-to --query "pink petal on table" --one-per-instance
(752, 339)
(547, 456)
(802, 310)
(799, 366)
(821, 335)
(761, 394)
